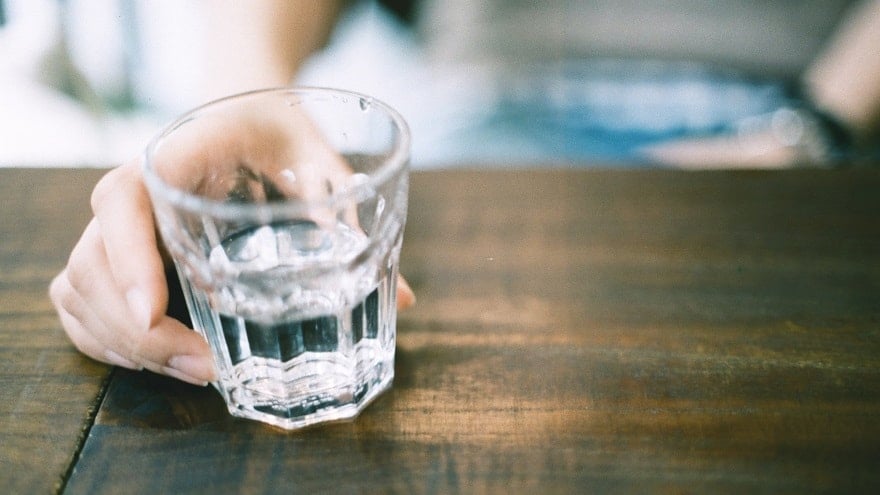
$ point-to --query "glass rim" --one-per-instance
(181, 198)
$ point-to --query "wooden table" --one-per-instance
(577, 331)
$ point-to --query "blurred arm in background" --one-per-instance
(262, 43)
(839, 121)
(114, 310)
(844, 80)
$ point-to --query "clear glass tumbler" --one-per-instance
(284, 212)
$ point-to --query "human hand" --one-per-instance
(785, 138)
(112, 297)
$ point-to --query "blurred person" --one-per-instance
(678, 82)
(635, 82)
(630, 82)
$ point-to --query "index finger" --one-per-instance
(123, 210)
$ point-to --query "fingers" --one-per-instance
(97, 319)
(84, 341)
(405, 295)
(93, 296)
(171, 348)
(123, 212)
(112, 296)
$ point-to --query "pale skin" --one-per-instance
(113, 309)
(112, 296)
(843, 81)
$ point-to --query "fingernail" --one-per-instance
(191, 369)
(118, 360)
(140, 308)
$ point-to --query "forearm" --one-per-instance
(262, 43)
(844, 80)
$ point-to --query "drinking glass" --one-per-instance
(283, 211)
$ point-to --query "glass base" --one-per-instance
(318, 388)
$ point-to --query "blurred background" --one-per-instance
(485, 82)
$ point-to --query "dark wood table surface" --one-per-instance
(577, 331)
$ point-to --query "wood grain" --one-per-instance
(577, 331)
(48, 391)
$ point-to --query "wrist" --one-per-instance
(825, 137)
